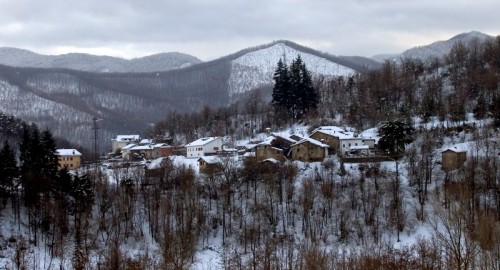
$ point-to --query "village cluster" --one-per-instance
(275, 148)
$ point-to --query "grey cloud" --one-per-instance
(358, 27)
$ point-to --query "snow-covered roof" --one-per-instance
(313, 141)
(371, 133)
(210, 159)
(155, 163)
(202, 141)
(146, 141)
(267, 141)
(250, 146)
(457, 148)
(272, 160)
(127, 138)
(249, 154)
(286, 136)
(274, 136)
(335, 131)
(128, 146)
(68, 152)
(159, 145)
(142, 147)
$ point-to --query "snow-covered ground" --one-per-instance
(211, 253)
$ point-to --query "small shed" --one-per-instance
(453, 158)
(209, 164)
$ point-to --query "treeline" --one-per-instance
(11, 128)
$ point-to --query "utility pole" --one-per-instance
(95, 128)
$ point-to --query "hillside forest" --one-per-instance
(403, 214)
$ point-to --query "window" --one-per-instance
(356, 144)
(216, 148)
(349, 144)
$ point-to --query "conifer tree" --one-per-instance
(281, 86)
(49, 162)
(8, 170)
(293, 89)
(395, 135)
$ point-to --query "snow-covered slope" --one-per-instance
(441, 48)
(256, 68)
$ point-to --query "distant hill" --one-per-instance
(93, 63)
(442, 48)
(435, 49)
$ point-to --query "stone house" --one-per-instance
(309, 149)
(453, 158)
(276, 146)
(209, 164)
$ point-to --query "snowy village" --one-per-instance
(287, 161)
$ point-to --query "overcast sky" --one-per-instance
(209, 29)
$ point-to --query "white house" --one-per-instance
(122, 140)
(203, 147)
(350, 143)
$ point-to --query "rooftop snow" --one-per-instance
(68, 152)
(127, 138)
(202, 141)
(313, 141)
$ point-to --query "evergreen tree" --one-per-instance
(49, 160)
(481, 108)
(38, 162)
(8, 171)
(494, 110)
(310, 98)
(82, 193)
(395, 135)
(293, 89)
(29, 164)
(295, 96)
(281, 86)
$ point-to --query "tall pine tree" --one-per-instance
(8, 171)
(281, 86)
(293, 89)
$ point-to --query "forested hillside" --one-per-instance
(406, 213)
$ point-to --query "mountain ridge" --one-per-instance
(435, 49)
(96, 63)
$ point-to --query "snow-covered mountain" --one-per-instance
(435, 49)
(93, 63)
(441, 48)
(256, 68)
